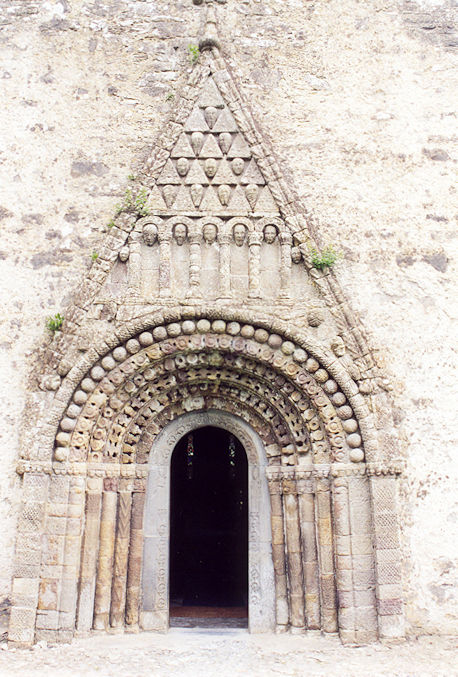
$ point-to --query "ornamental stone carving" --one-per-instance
(217, 317)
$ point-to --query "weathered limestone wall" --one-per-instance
(357, 101)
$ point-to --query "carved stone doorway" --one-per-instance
(209, 530)
(155, 578)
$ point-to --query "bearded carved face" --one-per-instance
(296, 255)
(149, 234)
(210, 233)
(124, 254)
(239, 234)
(180, 233)
(270, 233)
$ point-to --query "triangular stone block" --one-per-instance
(238, 202)
(225, 174)
(196, 122)
(183, 202)
(169, 174)
(182, 148)
(211, 202)
(210, 148)
(155, 199)
(210, 96)
(196, 174)
(266, 203)
(239, 148)
(225, 123)
(252, 174)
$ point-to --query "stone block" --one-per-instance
(328, 592)
(31, 517)
(344, 580)
(391, 627)
(347, 636)
(47, 620)
(345, 599)
(389, 607)
(57, 509)
(363, 579)
(366, 618)
(347, 618)
(386, 538)
(364, 598)
(49, 636)
(366, 636)
(56, 525)
(48, 594)
(22, 570)
(22, 625)
(24, 592)
(361, 544)
(343, 546)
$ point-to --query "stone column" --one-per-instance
(224, 241)
(254, 265)
(326, 556)
(52, 562)
(72, 556)
(306, 500)
(195, 265)
(28, 559)
(164, 264)
(89, 555)
(285, 266)
(134, 270)
(118, 593)
(135, 560)
(294, 555)
(344, 563)
(278, 550)
(362, 559)
(105, 560)
(387, 558)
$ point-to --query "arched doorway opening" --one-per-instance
(209, 530)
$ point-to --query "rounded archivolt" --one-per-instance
(286, 395)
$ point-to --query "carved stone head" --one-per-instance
(210, 167)
(149, 234)
(210, 232)
(270, 233)
(338, 347)
(238, 165)
(124, 254)
(180, 233)
(239, 232)
(182, 166)
(296, 256)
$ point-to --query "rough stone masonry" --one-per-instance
(171, 176)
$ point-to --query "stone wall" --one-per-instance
(357, 102)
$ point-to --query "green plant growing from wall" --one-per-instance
(54, 323)
(140, 203)
(134, 202)
(94, 256)
(325, 258)
(194, 53)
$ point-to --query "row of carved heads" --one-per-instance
(210, 234)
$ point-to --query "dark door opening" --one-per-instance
(209, 530)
